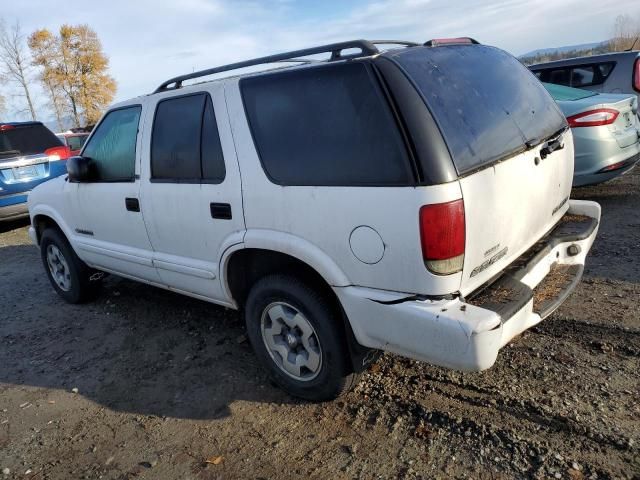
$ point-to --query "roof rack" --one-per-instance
(367, 48)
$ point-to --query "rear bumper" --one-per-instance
(467, 334)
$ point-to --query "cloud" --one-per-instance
(149, 41)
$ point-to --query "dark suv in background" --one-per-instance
(29, 155)
(608, 73)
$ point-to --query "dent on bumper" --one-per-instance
(455, 333)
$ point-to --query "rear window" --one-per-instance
(185, 145)
(26, 140)
(486, 103)
(325, 125)
(576, 76)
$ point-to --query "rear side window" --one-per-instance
(487, 104)
(185, 145)
(326, 125)
(577, 76)
(29, 139)
(112, 147)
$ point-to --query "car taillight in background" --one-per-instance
(6, 127)
(57, 153)
(442, 236)
(593, 118)
(636, 75)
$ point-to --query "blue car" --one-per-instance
(29, 155)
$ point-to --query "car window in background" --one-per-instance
(562, 93)
(113, 145)
(560, 77)
(26, 140)
(582, 76)
(76, 142)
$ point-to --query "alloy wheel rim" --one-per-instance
(59, 268)
(291, 341)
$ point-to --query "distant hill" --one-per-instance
(565, 49)
(558, 53)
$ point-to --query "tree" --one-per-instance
(14, 61)
(74, 68)
(43, 47)
(625, 33)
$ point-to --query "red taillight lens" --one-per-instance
(58, 153)
(636, 75)
(442, 236)
(4, 128)
(593, 118)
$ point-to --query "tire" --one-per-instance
(71, 280)
(283, 296)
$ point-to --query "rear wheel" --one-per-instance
(69, 275)
(298, 337)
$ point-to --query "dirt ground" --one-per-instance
(147, 384)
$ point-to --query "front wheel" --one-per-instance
(298, 337)
(68, 275)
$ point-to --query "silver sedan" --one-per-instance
(606, 132)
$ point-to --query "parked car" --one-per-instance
(341, 205)
(609, 73)
(74, 141)
(29, 155)
(606, 132)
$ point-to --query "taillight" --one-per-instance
(636, 75)
(613, 166)
(593, 118)
(442, 236)
(57, 153)
(4, 128)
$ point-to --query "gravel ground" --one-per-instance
(144, 383)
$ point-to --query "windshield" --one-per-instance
(560, 92)
(488, 106)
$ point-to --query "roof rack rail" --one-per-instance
(366, 49)
(395, 42)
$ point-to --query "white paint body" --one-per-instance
(174, 243)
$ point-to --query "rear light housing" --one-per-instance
(636, 75)
(4, 128)
(614, 166)
(57, 153)
(442, 236)
(436, 42)
(593, 118)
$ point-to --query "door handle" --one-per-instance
(220, 210)
(132, 204)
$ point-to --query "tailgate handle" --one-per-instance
(551, 147)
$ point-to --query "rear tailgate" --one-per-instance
(497, 121)
(509, 206)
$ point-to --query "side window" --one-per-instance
(582, 76)
(112, 147)
(560, 76)
(327, 125)
(605, 69)
(187, 150)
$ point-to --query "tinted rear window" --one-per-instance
(185, 145)
(26, 140)
(486, 103)
(326, 125)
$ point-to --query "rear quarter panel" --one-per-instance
(323, 218)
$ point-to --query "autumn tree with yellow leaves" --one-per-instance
(73, 72)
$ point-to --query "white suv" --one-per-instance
(414, 200)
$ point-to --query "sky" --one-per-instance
(148, 41)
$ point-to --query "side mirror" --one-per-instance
(79, 169)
